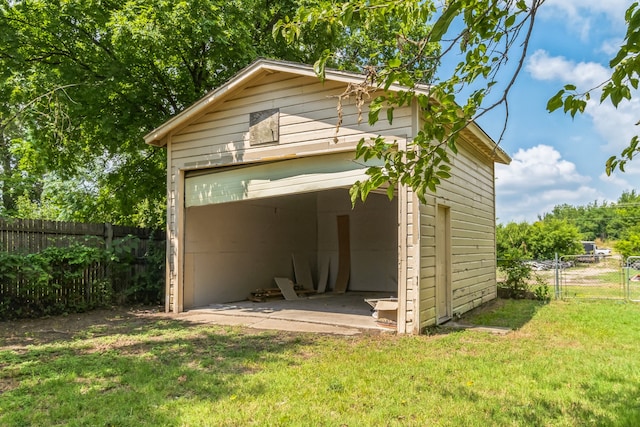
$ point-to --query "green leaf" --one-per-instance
(320, 65)
(391, 191)
(394, 63)
(354, 192)
(442, 24)
(443, 174)
(374, 112)
(390, 115)
(556, 101)
(347, 15)
(622, 53)
(610, 165)
(510, 21)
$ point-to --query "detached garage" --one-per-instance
(258, 174)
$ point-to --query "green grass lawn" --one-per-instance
(568, 364)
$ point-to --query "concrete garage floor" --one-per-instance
(344, 314)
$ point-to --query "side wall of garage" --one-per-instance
(469, 197)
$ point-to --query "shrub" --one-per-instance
(138, 279)
(517, 274)
(79, 277)
(518, 277)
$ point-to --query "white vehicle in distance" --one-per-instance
(602, 251)
(590, 248)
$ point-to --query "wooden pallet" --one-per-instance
(271, 294)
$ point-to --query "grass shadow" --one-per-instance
(506, 313)
(121, 368)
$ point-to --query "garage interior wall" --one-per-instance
(234, 248)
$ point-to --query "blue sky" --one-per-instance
(557, 159)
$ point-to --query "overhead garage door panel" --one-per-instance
(273, 179)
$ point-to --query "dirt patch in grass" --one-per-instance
(124, 324)
(23, 332)
(8, 384)
(128, 321)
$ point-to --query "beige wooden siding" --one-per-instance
(408, 261)
(173, 232)
(413, 256)
(307, 119)
(307, 127)
(470, 196)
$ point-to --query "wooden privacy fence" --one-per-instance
(52, 266)
(34, 235)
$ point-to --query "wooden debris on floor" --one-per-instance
(263, 295)
(270, 294)
(324, 275)
(385, 311)
(302, 271)
(286, 287)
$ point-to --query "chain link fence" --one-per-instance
(632, 278)
(591, 277)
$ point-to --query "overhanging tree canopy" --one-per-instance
(464, 55)
(84, 80)
(469, 53)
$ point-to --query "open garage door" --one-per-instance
(239, 237)
(285, 177)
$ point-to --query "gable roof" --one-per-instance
(473, 133)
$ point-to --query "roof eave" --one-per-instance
(488, 145)
(157, 136)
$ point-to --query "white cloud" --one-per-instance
(542, 66)
(536, 168)
(611, 46)
(616, 180)
(615, 126)
(581, 16)
(613, 9)
(537, 180)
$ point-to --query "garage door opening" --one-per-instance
(234, 248)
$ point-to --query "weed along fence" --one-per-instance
(50, 267)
